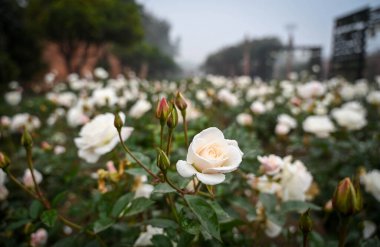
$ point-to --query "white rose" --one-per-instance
(227, 97)
(105, 96)
(21, 120)
(321, 126)
(287, 120)
(99, 136)
(100, 73)
(350, 116)
(27, 179)
(374, 98)
(13, 98)
(264, 185)
(244, 119)
(371, 183)
(271, 164)
(369, 228)
(140, 108)
(258, 107)
(282, 129)
(295, 181)
(311, 89)
(209, 156)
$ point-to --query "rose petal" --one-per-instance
(184, 169)
(90, 157)
(235, 144)
(233, 162)
(211, 134)
(125, 133)
(211, 179)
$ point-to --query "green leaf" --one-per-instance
(298, 206)
(136, 171)
(268, 201)
(161, 241)
(137, 206)
(35, 209)
(205, 214)
(163, 188)
(245, 205)
(220, 213)
(58, 199)
(121, 204)
(49, 217)
(102, 224)
(189, 221)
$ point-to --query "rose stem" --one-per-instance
(135, 158)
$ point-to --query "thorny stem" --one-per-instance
(162, 135)
(36, 186)
(344, 223)
(169, 142)
(181, 192)
(15, 180)
(135, 158)
(183, 113)
(305, 239)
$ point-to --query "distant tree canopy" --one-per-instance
(19, 50)
(229, 61)
(156, 53)
(75, 24)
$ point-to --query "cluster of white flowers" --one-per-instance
(289, 180)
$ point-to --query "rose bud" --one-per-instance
(162, 111)
(180, 101)
(173, 117)
(305, 223)
(26, 139)
(4, 161)
(347, 198)
(118, 122)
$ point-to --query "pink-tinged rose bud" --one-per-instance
(39, 238)
(46, 146)
(328, 206)
(347, 198)
(271, 164)
(162, 110)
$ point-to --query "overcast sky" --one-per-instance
(205, 26)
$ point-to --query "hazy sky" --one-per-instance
(205, 26)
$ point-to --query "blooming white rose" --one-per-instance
(282, 129)
(38, 238)
(142, 189)
(140, 108)
(321, 126)
(104, 96)
(271, 164)
(13, 98)
(350, 116)
(258, 107)
(227, 97)
(100, 73)
(374, 98)
(27, 179)
(209, 156)
(264, 185)
(99, 136)
(244, 119)
(21, 120)
(371, 182)
(295, 180)
(311, 89)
